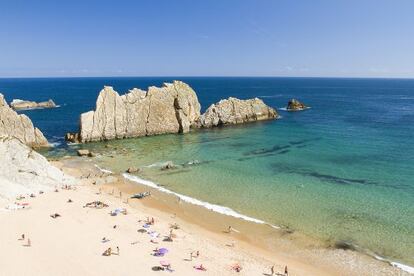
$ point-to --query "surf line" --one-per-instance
(213, 207)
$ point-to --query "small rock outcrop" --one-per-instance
(24, 171)
(173, 108)
(132, 170)
(234, 111)
(83, 152)
(19, 126)
(72, 137)
(17, 104)
(295, 105)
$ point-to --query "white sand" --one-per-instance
(71, 244)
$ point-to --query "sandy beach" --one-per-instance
(72, 244)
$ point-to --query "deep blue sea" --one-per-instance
(342, 170)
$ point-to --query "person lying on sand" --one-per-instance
(104, 239)
(200, 267)
(21, 237)
(96, 204)
(107, 252)
(236, 267)
(174, 226)
(55, 215)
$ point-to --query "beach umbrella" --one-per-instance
(163, 250)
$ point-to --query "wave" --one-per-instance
(285, 109)
(55, 144)
(401, 266)
(230, 212)
(213, 207)
(103, 170)
(271, 96)
(157, 164)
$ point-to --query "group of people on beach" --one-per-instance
(169, 238)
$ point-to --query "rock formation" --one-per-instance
(172, 108)
(17, 104)
(24, 171)
(295, 105)
(19, 126)
(234, 111)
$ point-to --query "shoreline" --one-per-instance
(254, 246)
(319, 252)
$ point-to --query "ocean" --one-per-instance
(339, 171)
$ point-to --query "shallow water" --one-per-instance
(341, 170)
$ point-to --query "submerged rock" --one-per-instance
(19, 127)
(132, 170)
(295, 105)
(234, 111)
(168, 165)
(17, 104)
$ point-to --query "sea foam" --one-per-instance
(213, 207)
(103, 170)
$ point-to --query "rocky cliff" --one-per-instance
(17, 104)
(24, 171)
(172, 108)
(234, 111)
(19, 126)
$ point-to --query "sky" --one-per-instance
(311, 38)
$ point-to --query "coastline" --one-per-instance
(260, 238)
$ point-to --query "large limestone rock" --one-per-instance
(17, 104)
(19, 126)
(234, 111)
(173, 108)
(24, 171)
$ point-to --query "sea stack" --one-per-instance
(19, 127)
(172, 108)
(234, 111)
(295, 105)
(17, 104)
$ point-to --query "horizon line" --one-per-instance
(206, 76)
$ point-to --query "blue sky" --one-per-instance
(350, 38)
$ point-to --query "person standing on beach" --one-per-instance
(286, 271)
(272, 270)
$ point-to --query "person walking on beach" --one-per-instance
(272, 270)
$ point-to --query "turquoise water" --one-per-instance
(342, 170)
